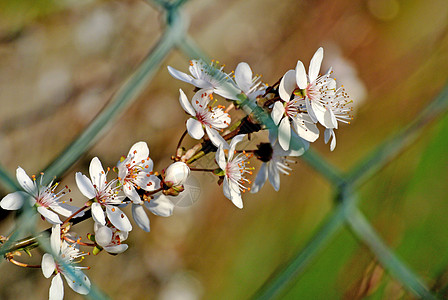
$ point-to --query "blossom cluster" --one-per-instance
(292, 110)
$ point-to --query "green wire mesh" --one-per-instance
(345, 212)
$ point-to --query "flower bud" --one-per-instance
(176, 174)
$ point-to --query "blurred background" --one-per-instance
(61, 61)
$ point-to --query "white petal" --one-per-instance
(284, 133)
(315, 63)
(140, 217)
(226, 188)
(97, 174)
(25, 181)
(65, 209)
(235, 195)
(80, 284)
(195, 129)
(329, 133)
(233, 143)
(55, 239)
(118, 218)
(140, 151)
(98, 213)
(14, 201)
(287, 85)
(56, 288)
(161, 206)
(215, 137)
(228, 91)
(202, 84)
(301, 79)
(274, 176)
(130, 192)
(179, 75)
(261, 178)
(330, 119)
(277, 112)
(319, 111)
(221, 158)
(243, 76)
(186, 104)
(48, 265)
(103, 236)
(305, 130)
(116, 249)
(50, 216)
(310, 111)
(85, 186)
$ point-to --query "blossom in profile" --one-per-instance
(234, 168)
(63, 262)
(110, 238)
(275, 162)
(135, 172)
(204, 116)
(210, 77)
(47, 202)
(318, 90)
(106, 195)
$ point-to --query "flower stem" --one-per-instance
(180, 141)
(78, 242)
(203, 170)
(86, 205)
(21, 264)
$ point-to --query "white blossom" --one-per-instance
(63, 262)
(208, 77)
(106, 194)
(44, 198)
(135, 172)
(234, 168)
(204, 116)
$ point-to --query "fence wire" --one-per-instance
(345, 212)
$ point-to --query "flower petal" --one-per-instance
(103, 236)
(243, 76)
(179, 75)
(284, 133)
(56, 288)
(274, 176)
(25, 181)
(301, 79)
(310, 111)
(195, 129)
(98, 213)
(118, 218)
(85, 186)
(97, 174)
(261, 178)
(215, 137)
(306, 130)
(48, 265)
(140, 217)
(130, 192)
(330, 119)
(233, 143)
(235, 194)
(80, 283)
(228, 90)
(186, 104)
(65, 209)
(315, 63)
(55, 239)
(277, 112)
(221, 158)
(287, 85)
(50, 216)
(160, 206)
(13, 201)
(140, 151)
(116, 249)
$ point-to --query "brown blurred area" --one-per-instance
(60, 62)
